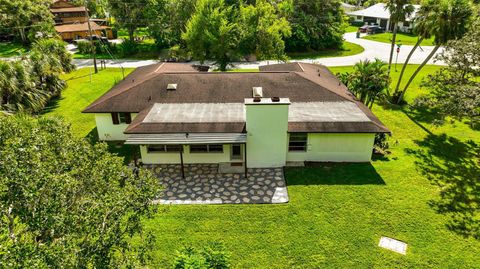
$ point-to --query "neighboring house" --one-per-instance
(285, 114)
(66, 12)
(380, 15)
(71, 22)
(74, 31)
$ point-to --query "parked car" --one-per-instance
(375, 29)
(363, 29)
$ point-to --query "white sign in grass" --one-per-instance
(393, 245)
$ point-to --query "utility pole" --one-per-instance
(91, 39)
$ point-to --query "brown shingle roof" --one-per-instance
(77, 27)
(68, 9)
(299, 82)
(145, 87)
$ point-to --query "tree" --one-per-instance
(96, 8)
(400, 10)
(213, 32)
(266, 28)
(18, 88)
(168, 19)
(316, 25)
(368, 80)
(28, 84)
(129, 14)
(26, 18)
(455, 89)
(54, 47)
(65, 203)
(446, 20)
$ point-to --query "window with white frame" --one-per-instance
(298, 142)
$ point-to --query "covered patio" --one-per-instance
(203, 184)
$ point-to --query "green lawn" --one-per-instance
(80, 93)
(351, 29)
(9, 49)
(336, 213)
(404, 39)
(348, 50)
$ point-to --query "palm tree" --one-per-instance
(367, 81)
(400, 10)
(8, 85)
(446, 20)
(423, 29)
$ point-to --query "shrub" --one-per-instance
(127, 48)
(380, 143)
(84, 47)
(176, 53)
(356, 23)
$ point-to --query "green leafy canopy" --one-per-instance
(65, 202)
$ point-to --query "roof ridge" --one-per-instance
(307, 78)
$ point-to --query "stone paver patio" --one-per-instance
(204, 185)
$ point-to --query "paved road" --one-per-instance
(372, 50)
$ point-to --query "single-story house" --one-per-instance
(380, 15)
(285, 114)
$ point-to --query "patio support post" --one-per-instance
(181, 163)
(245, 158)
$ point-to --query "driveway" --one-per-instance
(372, 50)
(203, 184)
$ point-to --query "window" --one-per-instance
(298, 142)
(236, 153)
(121, 117)
(164, 148)
(406, 24)
(213, 148)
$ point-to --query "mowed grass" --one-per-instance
(404, 39)
(336, 214)
(351, 29)
(10, 49)
(84, 87)
(348, 49)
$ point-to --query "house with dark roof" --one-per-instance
(71, 22)
(286, 114)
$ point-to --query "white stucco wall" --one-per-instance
(174, 157)
(267, 126)
(107, 131)
(323, 147)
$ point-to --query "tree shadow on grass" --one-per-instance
(52, 105)
(454, 166)
(333, 174)
(127, 152)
